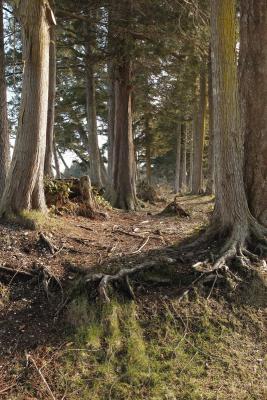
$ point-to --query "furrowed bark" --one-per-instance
(4, 135)
(48, 171)
(24, 187)
(253, 86)
(199, 131)
(178, 160)
(95, 167)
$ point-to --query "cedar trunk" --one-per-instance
(253, 85)
(148, 139)
(231, 210)
(199, 131)
(4, 136)
(95, 166)
(24, 187)
(178, 160)
(48, 171)
(124, 187)
(111, 119)
(210, 188)
(183, 172)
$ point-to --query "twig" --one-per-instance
(119, 230)
(85, 227)
(7, 388)
(16, 272)
(30, 358)
(214, 282)
(145, 241)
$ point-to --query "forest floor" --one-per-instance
(207, 342)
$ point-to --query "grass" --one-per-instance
(33, 220)
(199, 350)
(160, 348)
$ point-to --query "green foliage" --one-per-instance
(57, 191)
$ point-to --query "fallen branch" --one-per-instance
(30, 358)
(145, 241)
(16, 272)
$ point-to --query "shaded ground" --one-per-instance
(202, 346)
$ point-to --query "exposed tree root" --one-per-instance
(122, 277)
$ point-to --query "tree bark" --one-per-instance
(124, 171)
(4, 135)
(183, 169)
(124, 187)
(178, 160)
(191, 155)
(48, 171)
(210, 188)
(253, 86)
(231, 214)
(111, 119)
(24, 188)
(199, 132)
(57, 167)
(148, 150)
(95, 167)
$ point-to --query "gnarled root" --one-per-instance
(122, 277)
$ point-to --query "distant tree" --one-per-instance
(24, 188)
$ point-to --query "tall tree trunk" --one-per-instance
(4, 136)
(48, 171)
(253, 85)
(24, 188)
(178, 160)
(57, 168)
(124, 186)
(231, 215)
(111, 119)
(183, 171)
(191, 155)
(199, 132)
(124, 171)
(210, 175)
(148, 150)
(63, 161)
(95, 167)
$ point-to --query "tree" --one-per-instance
(210, 173)
(183, 167)
(95, 166)
(48, 171)
(24, 188)
(231, 217)
(4, 135)
(253, 85)
(124, 185)
(178, 159)
(198, 138)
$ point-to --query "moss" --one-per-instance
(190, 351)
